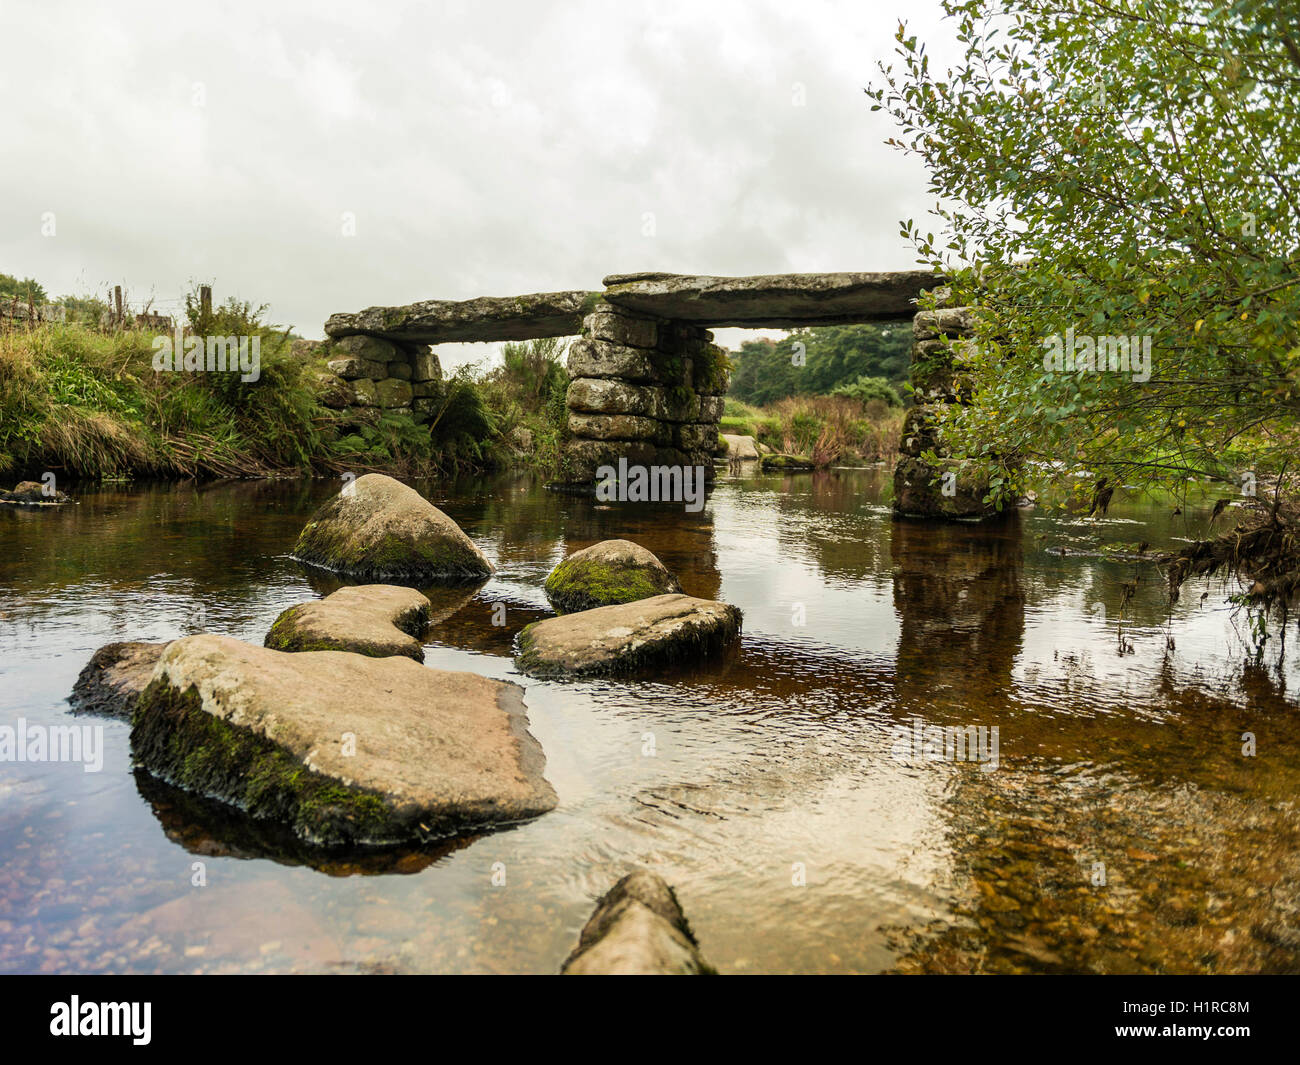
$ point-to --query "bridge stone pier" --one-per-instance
(648, 383)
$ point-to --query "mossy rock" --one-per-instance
(342, 749)
(787, 462)
(612, 571)
(378, 529)
(32, 494)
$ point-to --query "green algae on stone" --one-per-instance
(612, 571)
(340, 748)
(786, 462)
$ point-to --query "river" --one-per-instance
(1123, 827)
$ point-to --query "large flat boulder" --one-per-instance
(740, 448)
(371, 619)
(627, 637)
(113, 679)
(542, 314)
(637, 929)
(775, 301)
(341, 748)
(378, 529)
(612, 571)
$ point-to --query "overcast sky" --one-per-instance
(480, 148)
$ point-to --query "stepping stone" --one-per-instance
(627, 637)
(343, 749)
(638, 929)
(113, 679)
(377, 528)
(371, 619)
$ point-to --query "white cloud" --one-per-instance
(483, 148)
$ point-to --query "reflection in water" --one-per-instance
(214, 830)
(962, 612)
(763, 786)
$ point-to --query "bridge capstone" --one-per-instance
(487, 318)
(771, 301)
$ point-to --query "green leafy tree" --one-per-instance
(867, 388)
(1112, 168)
(28, 290)
(817, 361)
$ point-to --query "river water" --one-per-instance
(1124, 827)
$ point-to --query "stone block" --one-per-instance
(609, 325)
(602, 358)
(393, 393)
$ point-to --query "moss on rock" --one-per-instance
(613, 571)
(179, 742)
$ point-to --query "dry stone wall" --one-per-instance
(371, 375)
(645, 389)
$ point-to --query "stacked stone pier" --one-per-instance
(645, 389)
(648, 383)
(940, 344)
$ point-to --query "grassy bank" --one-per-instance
(827, 429)
(88, 404)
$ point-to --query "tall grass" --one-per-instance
(527, 392)
(89, 404)
(826, 429)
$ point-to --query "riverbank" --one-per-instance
(90, 405)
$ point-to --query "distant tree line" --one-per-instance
(862, 361)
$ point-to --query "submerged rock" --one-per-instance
(377, 528)
(787, 462)
(32, 494)
(628, 636)
(612, 571)
(113, 679)
(638, 929)
(371, 619)
(341, 748)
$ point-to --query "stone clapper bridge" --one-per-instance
(648, 384)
